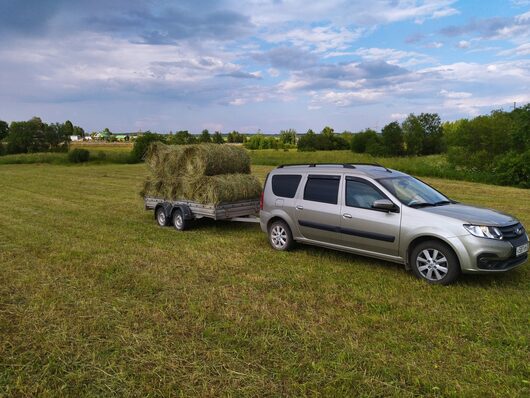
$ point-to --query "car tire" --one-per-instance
(280, 236)
(161, 218)
(435, 262)
(179, 222)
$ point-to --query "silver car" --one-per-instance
(374, 211)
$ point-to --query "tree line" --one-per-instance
(498, 143)
(36, 136)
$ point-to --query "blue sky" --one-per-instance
(260, 65)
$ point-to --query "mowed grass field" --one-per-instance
(96, 300)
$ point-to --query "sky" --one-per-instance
(260, 65)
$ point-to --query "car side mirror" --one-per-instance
(384, 204)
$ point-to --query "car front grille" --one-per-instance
(510, 232)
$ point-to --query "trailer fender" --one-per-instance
(186, 212)
(167, 208)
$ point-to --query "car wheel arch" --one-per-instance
(423, 238)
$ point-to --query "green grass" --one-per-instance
(432, 166)
(33, 158)
(96, 300)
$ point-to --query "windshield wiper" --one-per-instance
(428, 204)
(424, 204)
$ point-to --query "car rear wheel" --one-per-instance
(435, 262)
(280, 236)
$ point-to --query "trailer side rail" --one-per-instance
(222, 211)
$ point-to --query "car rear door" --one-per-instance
(318, 208)
(364, 227)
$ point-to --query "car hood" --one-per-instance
(472, 214)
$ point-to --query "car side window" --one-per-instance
(361, 194)
(285, 185)
(322, 188)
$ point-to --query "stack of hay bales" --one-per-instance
(204, 173)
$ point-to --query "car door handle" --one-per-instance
(299, 207)
(347, 215)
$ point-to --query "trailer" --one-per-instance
(180, 213)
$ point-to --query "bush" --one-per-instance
(78, 155)
(142, 144)
(514, 169)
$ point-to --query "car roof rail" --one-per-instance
(345, 165)
(374, 164)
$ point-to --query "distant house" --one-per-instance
(122, 137)
(74, 138)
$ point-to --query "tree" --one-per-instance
(79, 131)
(235, 137)
(68, 128)
(361, 140)
(141, 144)
(392, 139)
(307, 142)
(205, 136)
(288, 137)
(218, 138)
(413, 135)
(182, 137)
(432, 133)
(4, 130)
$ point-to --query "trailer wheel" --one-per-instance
(161, 217)
(178, 220)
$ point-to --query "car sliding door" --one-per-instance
(318, 209)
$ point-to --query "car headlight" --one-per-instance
(483, 231)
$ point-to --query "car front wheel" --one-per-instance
(435, 262)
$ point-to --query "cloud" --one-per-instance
(497, 28)
(393, 56)
(455, 94)
(522, 50)
(361, 13)
(292, 58)
(174, 24)
(319, 39)
(241, 75)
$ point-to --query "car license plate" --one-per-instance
(520, 250)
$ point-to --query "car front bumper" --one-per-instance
(480, 255)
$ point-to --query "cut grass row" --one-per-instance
(96, 300)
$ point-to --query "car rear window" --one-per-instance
(322, 188)
(285, 185)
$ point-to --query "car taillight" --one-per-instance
(261, 201)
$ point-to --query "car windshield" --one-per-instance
(413, 192)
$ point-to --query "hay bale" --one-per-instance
(221, 188)
(205, 173)
(203, 159)
(213, 159)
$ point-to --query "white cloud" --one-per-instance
(398, 116)
(522, 50)
(393, 56)
(319, 39)
(455, 94)
(349, 97)
(463, 44)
